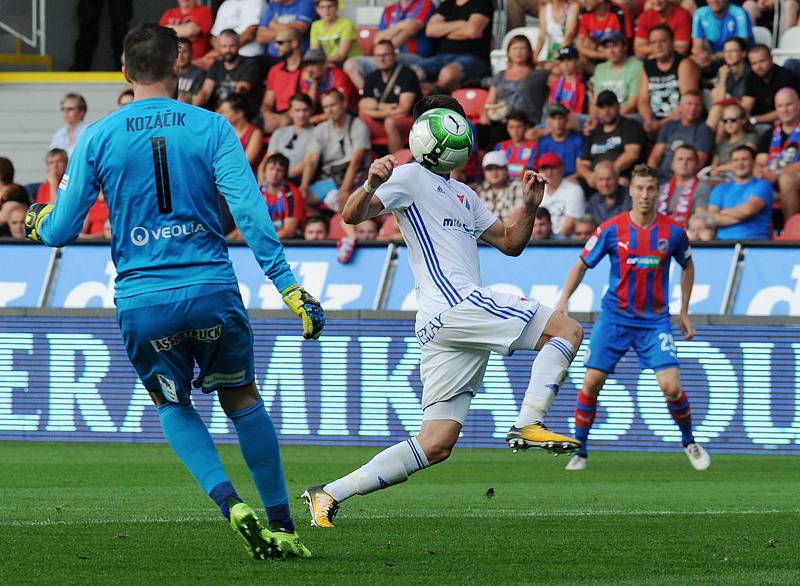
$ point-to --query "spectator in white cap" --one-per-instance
(498, 191)
(562, 198)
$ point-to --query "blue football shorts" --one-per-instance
(167, 332)
(655, 346)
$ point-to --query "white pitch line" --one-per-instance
(482, 513)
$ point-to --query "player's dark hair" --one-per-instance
(744, 147)
(301, 97)
(644, 171)
(150, 51)
(6, 170)
(543, 213)
(322, 219)
(519, 116)
(236, 101)
(664, 28)
(56, 153)
(739, 41)
(279, 159)
(437, 101)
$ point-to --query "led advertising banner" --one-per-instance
(23, 274)
(68, 378)
(85, 277)
(770, 282)
(539, 273)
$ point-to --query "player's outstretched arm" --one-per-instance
(362, 205)
(687, 284)
(513, 236)
(574, 278)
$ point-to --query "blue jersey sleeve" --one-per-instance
(682, 251)
(236, 183)
(596, 247)
(77, 192)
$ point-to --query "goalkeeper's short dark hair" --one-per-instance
(150, 50)
(437, 101)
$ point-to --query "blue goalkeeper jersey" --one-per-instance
(160, 163)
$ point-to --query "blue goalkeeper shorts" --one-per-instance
(167, 332)
(655, 347)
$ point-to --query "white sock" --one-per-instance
(392, 466)
(547, 373)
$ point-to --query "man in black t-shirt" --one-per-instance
(190, 77)
(761, 84)
(615, 138)
(463, 29)
(231, 73)
(387, 112)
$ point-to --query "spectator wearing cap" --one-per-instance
(334, 34)
(292, 141)
(613, 138)
(619, 73)
(683, 194)
(56, 161)
(761, 85)
(283, 81)
(282, 16)
(690, 129)
(597, 18)
(241, 16)
(584, 228)
(463, 33)
(499, 191)
(73, 111)
(667, 13)
(562, 198)
(389, 94)
(567, 145)
(730, 85)
(666, 76)
(543, 226)
(190, 77)
(569, 89)
(231, 73)
(317, 78)
(717, 22)
(519, 153)
(558, 26)
(611, 198)
(191, 22)
(402, 24)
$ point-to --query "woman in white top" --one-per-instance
(558, 22)
(73, 111)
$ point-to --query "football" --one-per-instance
(440, 140)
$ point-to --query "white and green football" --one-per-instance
(440, 140)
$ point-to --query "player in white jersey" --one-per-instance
(458, 322)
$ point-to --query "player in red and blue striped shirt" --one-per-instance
(640, 245)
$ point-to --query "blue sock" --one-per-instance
(189, 438)
(263, 457)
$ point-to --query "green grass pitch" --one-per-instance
(130, 514)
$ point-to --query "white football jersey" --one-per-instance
(441, 221)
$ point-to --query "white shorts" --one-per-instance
(456, 343)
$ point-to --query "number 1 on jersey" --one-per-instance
(161, 171)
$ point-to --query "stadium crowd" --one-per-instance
(682, 86)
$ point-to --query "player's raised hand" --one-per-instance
(687, 327)
(380, 170)
(533, 185)
(306, 307)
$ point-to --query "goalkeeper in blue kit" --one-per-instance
(160, 164)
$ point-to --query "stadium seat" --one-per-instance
(791, 229)
(403, 156)
(472, 99)
(789, 45)
(762, 35)
(368, 16)
(337, 230)
(366, 39)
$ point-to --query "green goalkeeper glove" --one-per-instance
(303, 305)
(33, 219)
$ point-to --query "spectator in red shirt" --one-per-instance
(94, 226)
(519, 152)
(317, 78)
(283, 81)
(56, 160)
(668, 13)
(284, 202)
(192, 22)
(234, 109)
(599, 17)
